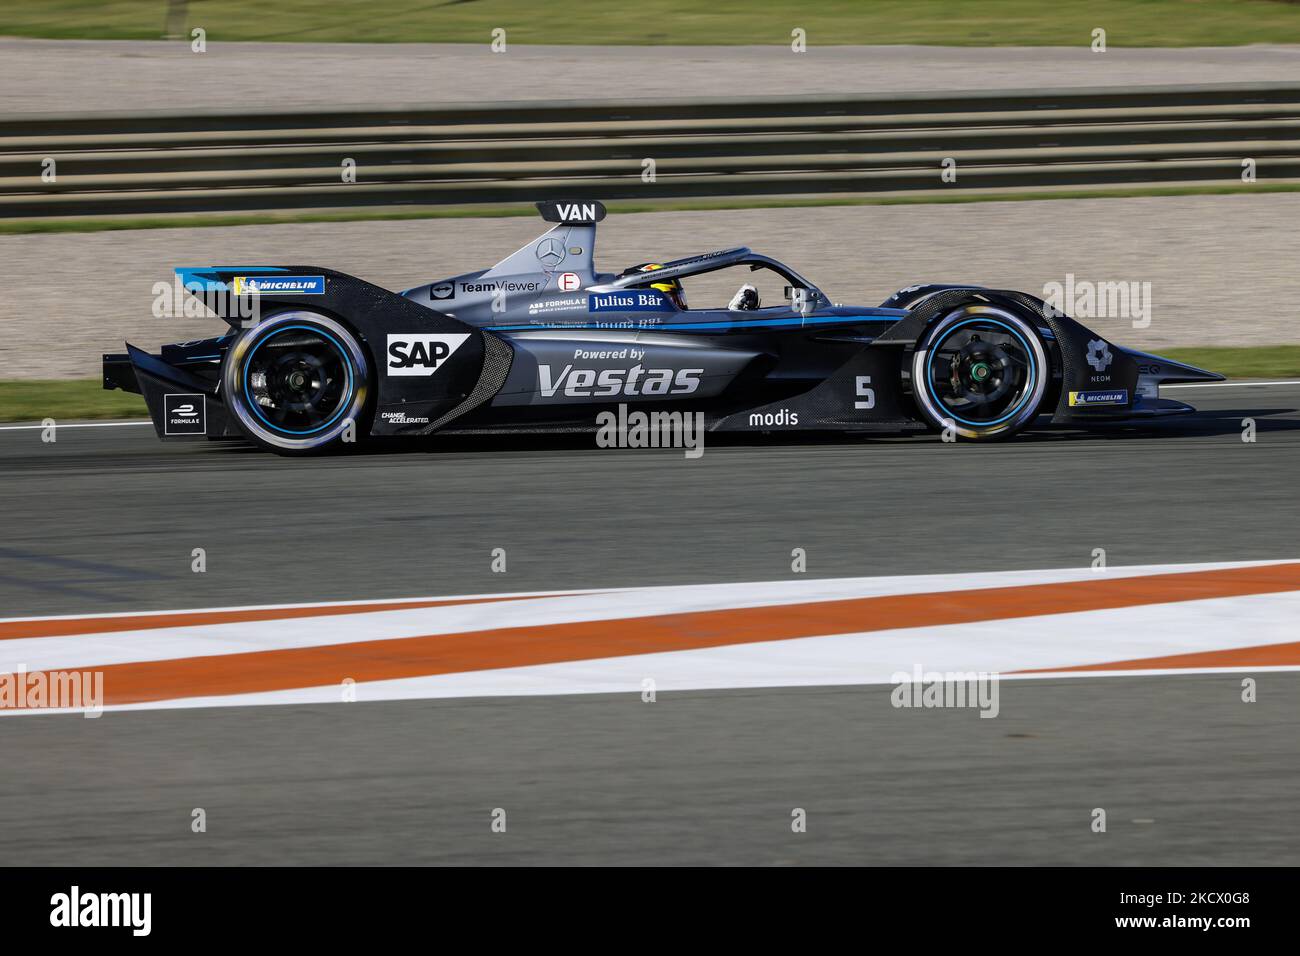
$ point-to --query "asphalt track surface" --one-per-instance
(105, 519)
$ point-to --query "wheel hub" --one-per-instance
(978, 372)
(298, 380)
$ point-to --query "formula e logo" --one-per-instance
(421, 354)
(279, 285)
(184, 415)
(590, 383)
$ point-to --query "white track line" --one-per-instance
(20, 428)
(1231, 384)
(773, 592)
(1047, 642)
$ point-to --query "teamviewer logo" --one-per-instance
(185, 415)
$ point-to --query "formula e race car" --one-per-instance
(542, 342)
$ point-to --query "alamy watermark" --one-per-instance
(176, 300)
(77, 908)
(658, 429)
(1086, 299)
(21, 689)
(933, 689)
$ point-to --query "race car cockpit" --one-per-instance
(666, 278)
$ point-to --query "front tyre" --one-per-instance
(981, 371)
(297, 383)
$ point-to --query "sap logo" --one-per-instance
(590, 383)
(576, 212)
(421, 354)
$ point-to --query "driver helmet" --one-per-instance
(669, 287)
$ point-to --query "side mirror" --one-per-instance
(800, 300)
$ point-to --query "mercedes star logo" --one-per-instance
(550, 252)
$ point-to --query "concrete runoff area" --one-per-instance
(1194, 270)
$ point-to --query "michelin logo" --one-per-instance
(1117, 396)
(279, 285)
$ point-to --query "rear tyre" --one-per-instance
(297, 383)
(981, 371)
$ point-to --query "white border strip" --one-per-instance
(789, 591)
(1232, 384)
(21, 428)
(24, 428)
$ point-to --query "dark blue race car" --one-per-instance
(543, 342)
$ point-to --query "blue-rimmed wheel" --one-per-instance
(297, 382)
(981, 371)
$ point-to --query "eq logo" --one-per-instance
(421, 354)
(569, 282)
